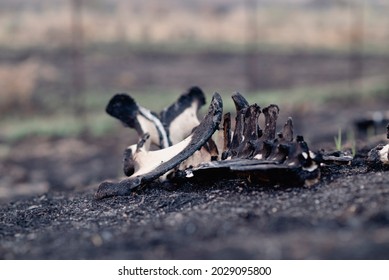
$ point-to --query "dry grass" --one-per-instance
(280, 27)
(19, 81)
(153, 22)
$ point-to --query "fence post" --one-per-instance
(251, 45)
(357, 33)
(78, 69)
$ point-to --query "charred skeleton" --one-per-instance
(249, 151)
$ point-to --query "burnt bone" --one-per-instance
(336, 158)
(378, 157)
(128, 155)
(265, 172)
(192, 100)
(239, 101)
(301, 170)
(212, 149)
(287, 132)
(242, 107)
(387, 131)
(187, 147)
(142, 141)
(251, 125)
(271, 114)
(262, 157)
(124, 108)
(237, 137)
(128, 162)
(183, 113)
(282, 149)
(251, 129)
(227, 135)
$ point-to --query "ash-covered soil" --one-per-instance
(346, 216)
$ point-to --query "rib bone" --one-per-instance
(262, 156)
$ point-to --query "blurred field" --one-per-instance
(286, 25)
(65, 58)
(60, 59)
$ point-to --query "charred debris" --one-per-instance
(217, 147)
(378, 157)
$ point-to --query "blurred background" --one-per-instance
(323, 62)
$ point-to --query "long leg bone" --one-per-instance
(161, 161)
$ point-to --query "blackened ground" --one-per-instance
(346, 216)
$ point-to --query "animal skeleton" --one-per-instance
(188, 151)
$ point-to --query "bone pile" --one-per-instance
(186, 149)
